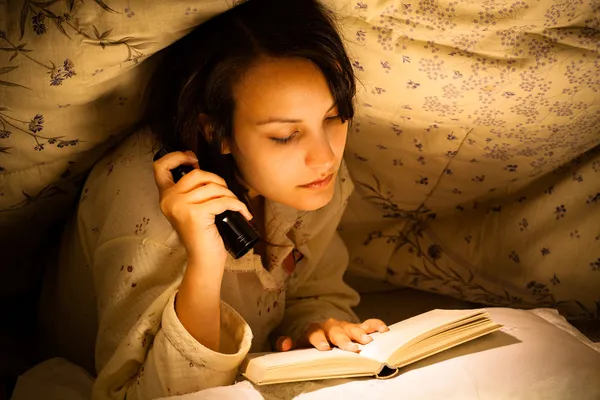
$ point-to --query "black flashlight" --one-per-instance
(235, 230)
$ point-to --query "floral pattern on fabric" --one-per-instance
(475, 150)
(462, 105)
(64, 67)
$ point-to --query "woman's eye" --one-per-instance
(284, 140)
(335, 117)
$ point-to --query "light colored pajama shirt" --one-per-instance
(137, 262)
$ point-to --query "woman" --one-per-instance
(262, 97)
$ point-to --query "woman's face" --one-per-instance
(288, 133)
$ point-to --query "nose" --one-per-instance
(320, 156)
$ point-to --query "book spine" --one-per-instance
(387, 372)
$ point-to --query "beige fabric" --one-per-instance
(475, 150)
(461, 105)
(54, 379)
(537, 355)
(72, 75)
(135, 262)
(464, 105)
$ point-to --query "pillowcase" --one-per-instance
(71, 79)
(475, 150)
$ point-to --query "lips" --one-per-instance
(320, 183)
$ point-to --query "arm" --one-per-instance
(322, 294)
(144, 348)
(198, 303)
(319, 292)
(319, 303)
(153, 355)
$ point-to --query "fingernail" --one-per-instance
(382, 328)
(366, 338)
(353, 347)
(324, 345)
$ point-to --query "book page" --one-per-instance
(429, 348)
(302, 364)
(293, 357)
(414, 329)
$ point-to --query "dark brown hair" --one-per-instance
(196, 75)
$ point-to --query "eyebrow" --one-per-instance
(286, 120)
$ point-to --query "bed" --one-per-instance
(475, 154)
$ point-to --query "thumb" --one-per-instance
(193, 156)
(284, 343)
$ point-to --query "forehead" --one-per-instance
(285, 87)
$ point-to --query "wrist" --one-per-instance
(202, 258)
(202, 273)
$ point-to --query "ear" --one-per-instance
(206, 125)
(208, 132)
(225, 147)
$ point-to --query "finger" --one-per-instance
(374, 325)
(357, 334)
(316, 337)
(163, 166)
(217, 206)
(284, 343)
(338, 337)
(198, 177)
(204, 193)
(192, 155)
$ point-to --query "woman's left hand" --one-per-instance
(342, 334)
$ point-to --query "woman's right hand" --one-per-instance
(191, 205)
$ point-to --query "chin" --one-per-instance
(312, 202)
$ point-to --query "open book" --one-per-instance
(406, 342)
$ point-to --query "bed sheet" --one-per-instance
(537, 355)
